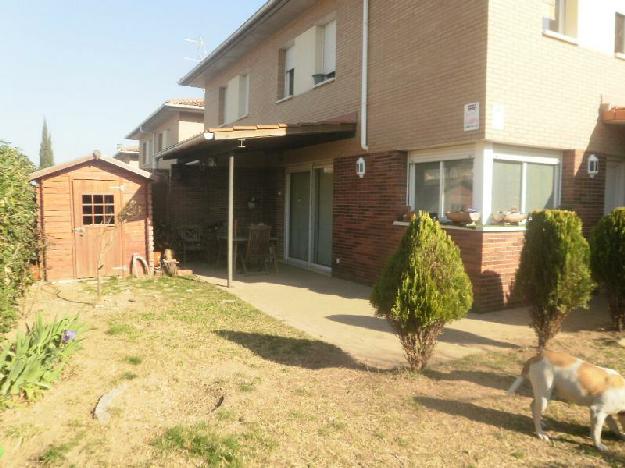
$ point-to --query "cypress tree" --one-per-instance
(423, 287)
(46, 155)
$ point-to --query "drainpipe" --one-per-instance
(364, 88)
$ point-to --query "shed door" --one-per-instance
(97, 237)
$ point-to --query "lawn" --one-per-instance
(209, 380)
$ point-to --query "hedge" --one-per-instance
(18, 238)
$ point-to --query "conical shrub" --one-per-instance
(554, 272)
(423, 287)
(607, 261)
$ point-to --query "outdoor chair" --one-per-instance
(191, 239)
(258, 248)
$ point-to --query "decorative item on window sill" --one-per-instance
(407, 215)
(513, 216)
(321, 77)
(593, 166)
(463, 217)
(252, 202)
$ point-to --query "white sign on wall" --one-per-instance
(472, 116)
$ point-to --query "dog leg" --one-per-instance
(613, 425)
(538, 408)
(597, 418)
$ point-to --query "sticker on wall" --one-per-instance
(499, 117)
(472, 116)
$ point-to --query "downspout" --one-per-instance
(364, 88)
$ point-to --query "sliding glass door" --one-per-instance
(309, 229)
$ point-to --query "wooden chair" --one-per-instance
(191, 238)
(258, 248)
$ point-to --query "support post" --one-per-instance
(230, 218)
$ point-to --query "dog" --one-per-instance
(575, 381)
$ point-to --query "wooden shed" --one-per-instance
(93, 211)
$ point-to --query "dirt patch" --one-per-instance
(208, 379)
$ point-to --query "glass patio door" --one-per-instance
(311, 194)
(299, 215)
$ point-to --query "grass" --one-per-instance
(201, 443)
(133, 360)
(218, 383)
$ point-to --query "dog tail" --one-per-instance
(515, 386)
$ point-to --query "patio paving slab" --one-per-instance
(338, 312)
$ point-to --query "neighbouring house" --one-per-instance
(93, 211)
(338, 117)
(128, 154)
(174, 121)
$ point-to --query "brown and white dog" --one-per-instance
(576, 381)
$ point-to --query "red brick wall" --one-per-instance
(364, 211)
(200, 197)
(581, 193)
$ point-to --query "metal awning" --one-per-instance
(254, 138)
(259, 137)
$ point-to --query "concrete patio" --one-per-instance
(338, 312)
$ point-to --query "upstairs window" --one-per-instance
(328, 59)
(289, 72)
(159, 142)
(620, 34)
(234, 99)
(144, 151)
(561, 17)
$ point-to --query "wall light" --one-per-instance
(593, 166)
(361, 167)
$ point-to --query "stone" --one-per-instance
(101, 410)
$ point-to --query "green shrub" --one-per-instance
(423, 286)
(554, 272)
(35, 359)
(607, 261)
(18, 239)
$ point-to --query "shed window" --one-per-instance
(98, 209)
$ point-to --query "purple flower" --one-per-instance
(68, 335)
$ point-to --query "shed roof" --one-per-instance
(614, 116)
(94, 157)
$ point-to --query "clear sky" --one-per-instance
(96, 68)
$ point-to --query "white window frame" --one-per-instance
(413, 160)
(524, 161)
(562, 10)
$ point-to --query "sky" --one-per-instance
(97, 69)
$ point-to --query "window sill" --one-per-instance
(285, 99)
(491, 228)
(230, 124)
(318, 85)
(323, 83)
(560, 37)
(619, 55)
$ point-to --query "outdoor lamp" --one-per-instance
(593, 166)
(360, 167)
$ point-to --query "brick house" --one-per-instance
(174, 121)
(339, 116)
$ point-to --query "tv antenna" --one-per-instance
(201, 52)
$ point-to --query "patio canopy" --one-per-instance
(254, 138)
(260, 137)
